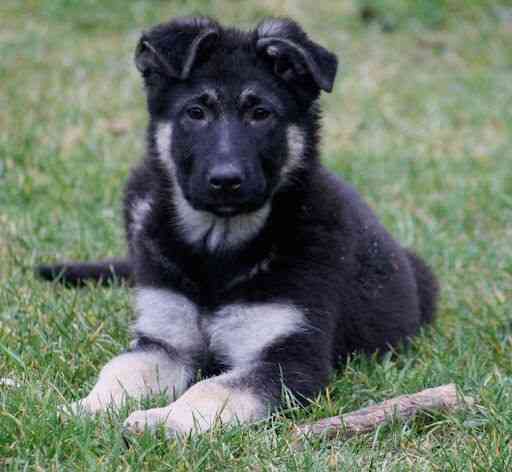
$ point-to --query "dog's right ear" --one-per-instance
(171, 50)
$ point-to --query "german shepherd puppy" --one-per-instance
(251, 262)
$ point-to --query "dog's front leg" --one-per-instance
(223, 399)
(294, 365)
(163, 357)
(135, 374)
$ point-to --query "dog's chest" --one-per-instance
(239, 334)
(235, 334)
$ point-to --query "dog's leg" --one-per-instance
(241, 395)
(135, 374)
(163, 358)
(269, 347)
(223, 399)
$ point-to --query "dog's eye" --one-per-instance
(260, 114)
(196, 113)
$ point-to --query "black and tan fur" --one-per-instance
(251, 261)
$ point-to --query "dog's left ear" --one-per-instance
(296, 59)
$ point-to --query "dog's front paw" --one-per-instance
(86, 406)
(149, 420)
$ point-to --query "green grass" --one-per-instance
(420, 121)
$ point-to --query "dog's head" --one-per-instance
(232, 111)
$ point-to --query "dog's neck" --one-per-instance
(212, 232)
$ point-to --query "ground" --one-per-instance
(420, 121)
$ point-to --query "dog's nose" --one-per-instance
(225, 178)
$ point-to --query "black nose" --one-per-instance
(225, 178)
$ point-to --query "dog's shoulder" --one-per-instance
(338, 232)
(333, 214)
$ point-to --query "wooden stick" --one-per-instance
(367, 419)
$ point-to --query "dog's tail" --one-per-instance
(428, 287)
(77, 274)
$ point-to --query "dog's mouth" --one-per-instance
(225, 211)
(229, 211)
(227, 207)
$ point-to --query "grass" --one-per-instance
(420, 121)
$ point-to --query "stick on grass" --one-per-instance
(367, 419)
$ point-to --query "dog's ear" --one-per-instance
(170, 50)
(296, 59)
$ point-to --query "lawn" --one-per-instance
(420, 121)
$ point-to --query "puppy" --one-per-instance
(252, 263)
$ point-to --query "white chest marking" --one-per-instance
(197, 226)
(240, 333)
(169, 317)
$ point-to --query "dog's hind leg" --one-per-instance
(136, 375)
